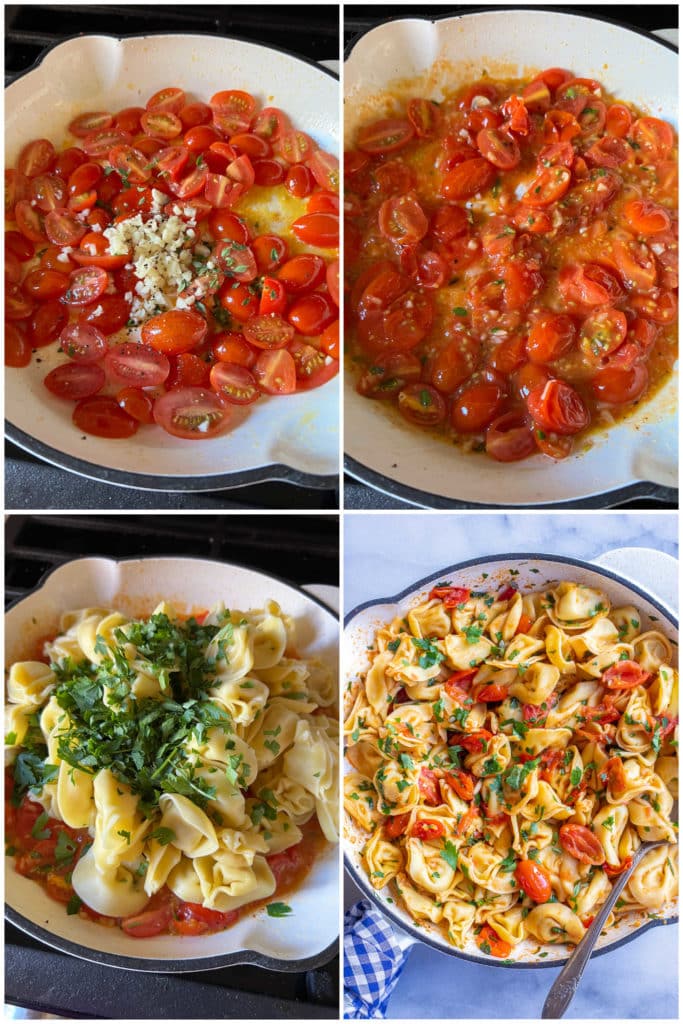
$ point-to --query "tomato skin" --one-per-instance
(450, 597)
(460, 782)
(148, 923)
(488, 937)
(109, 315)
(396, 825)
(302, 273)
(17, 346)
(269, 252)
(625, 675)
(557, 407)
(428, 785)
(233, 348)
(74, 381)
(492, 693)
(550, 337)
(616, 386)
(476, 404)
(136, 403)
(533, 880)
(46, 323)
(311, 314)
(499, 148)
(176, 331)
(582, 844)
(238, 300)
(299, 181)
(318, 229)
(468, 178)
(475, 742)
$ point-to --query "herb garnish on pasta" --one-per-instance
(170, 772)
(510, 752)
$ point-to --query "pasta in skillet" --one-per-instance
(510, 752)
(168, 772)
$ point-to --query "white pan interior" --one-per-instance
(101, 73)
(533, 573)
(135, 587)
(433, 56)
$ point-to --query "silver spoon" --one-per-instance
(565, 985)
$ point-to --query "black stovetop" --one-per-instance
(31, 29)
(300, 549)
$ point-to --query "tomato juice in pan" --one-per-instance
(511, 262)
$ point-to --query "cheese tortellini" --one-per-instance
(191, 752)
(510, 753)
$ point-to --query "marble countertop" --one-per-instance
(384, 553)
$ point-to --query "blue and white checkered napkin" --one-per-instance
(373, 961)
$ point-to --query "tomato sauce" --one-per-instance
(248, 209)
(511, 262)
(46, 850)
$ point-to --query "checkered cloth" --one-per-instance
(373, 962)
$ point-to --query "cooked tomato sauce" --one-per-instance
(511, 262)
(47, 851)
(239, 232)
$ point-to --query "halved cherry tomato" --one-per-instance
(476, 404)
(170, 99)
(557, 407)
(236, 260)
(533, 879)
(613, 871)
(582, 844)
(492, 693)
(137, 404)
(17, 346)
(85, 286)
(489, 941)
(148, 923)
(428, 784)
(461, 783)
(192, 413)
(311, 314)
(36, 158)
(234, 383)
(177, 330)
(449, 596)
(551, 335)
(83, 343)
(318, 229)
(499, 148)
(396, 825)
(509, 438)
(617, 385)
(384, 136)
(402, 220)
(549, 185)
(300, 181)
(45, 284)
(421, 404)
(103, 417)
(602, 333)
(475, 742)
(468, 178)
(275, 372)
(625, 675)
(424, 116)
(646, 217)
(75, 380)
(427, 829)
(136, 365)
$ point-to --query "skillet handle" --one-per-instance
(645, 567)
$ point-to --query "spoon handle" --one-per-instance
(565, 985)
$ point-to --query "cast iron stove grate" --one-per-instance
(303, 549)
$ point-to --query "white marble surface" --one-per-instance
(384, 554)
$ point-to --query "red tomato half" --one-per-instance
(135, 365)
(75, 380)
(192, 413)
(234, 383)
(557, 407)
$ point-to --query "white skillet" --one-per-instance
(646, 578)
(635, 458)
(302, 941)
(293, 437)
